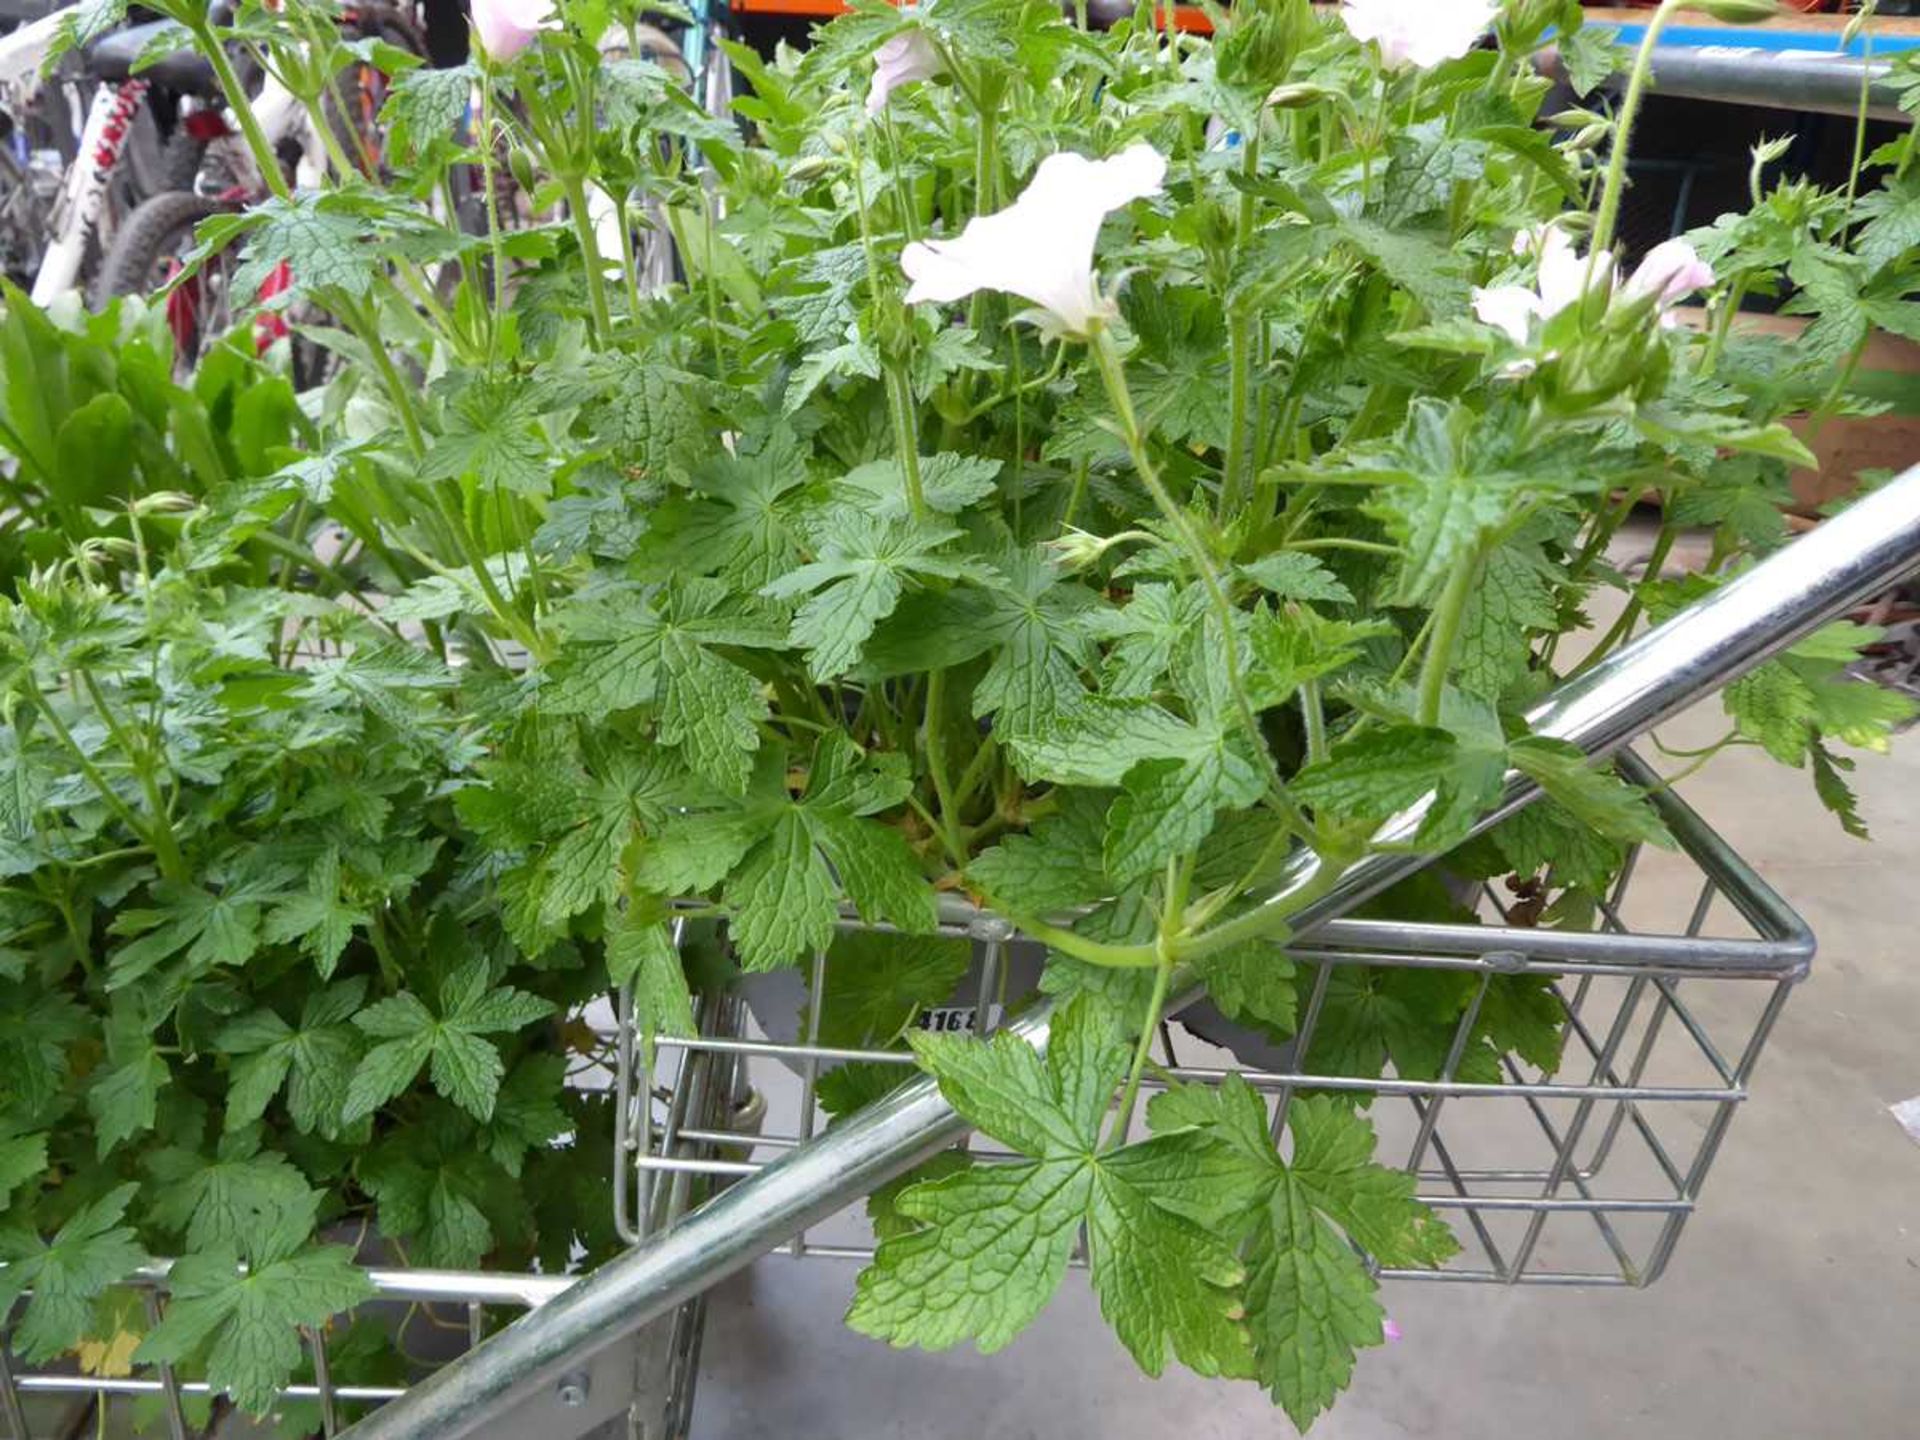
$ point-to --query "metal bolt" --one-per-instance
(572, 1389)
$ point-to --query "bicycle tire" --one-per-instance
(180, 161)
(161, 225)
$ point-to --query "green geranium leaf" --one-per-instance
(465, 1067)
(1309, 1297)
(246, 1322)
(988, 1245)
(91, 1251)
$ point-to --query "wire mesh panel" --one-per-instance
(439, 1312)
(1581, 1173)
(422, 1320)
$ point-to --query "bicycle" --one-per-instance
(64, 192)
(151, 248)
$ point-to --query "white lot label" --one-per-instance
(954, 1019)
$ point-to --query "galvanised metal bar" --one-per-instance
(1744, 623)
(1734, 74)
(1828, 84)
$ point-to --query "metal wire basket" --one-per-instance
(638, 1389)
(1584, 1176)
(32, 1403)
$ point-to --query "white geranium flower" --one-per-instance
(1508, 308)
(506, 27)
(1561, 279)
(911, 55)
(1670, 272)
(1419, 32)
(1041, 246)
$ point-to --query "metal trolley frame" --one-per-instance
(1621, 1142)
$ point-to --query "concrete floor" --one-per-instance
(1791, 1307)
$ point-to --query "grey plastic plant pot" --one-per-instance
(1259, 1049)
(778, 1002)
(778, 999)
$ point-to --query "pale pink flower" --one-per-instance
(1419, 32)
(506, 27)
(911, 55)
(1041, 246)
(1390, 1328)
(1671, 271)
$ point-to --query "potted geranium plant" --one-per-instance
(1081, 470)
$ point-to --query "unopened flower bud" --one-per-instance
(520, 166)
(1077, 549)
(1740, 12)
(1299, 95)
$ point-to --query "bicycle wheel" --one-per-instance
(147, 255)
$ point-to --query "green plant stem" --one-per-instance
(905, 439)
(1094, 952)
(159, 838)
(600, 316)
(469, 550)
(1314, 719)
(489, 182)
(1113, 372)
(1268, 920)
(165, 842)
(1623, 626)
(1236, 479)
(1723, 323)
(364, 325)
(1438, 660)
(629, 261)
(1637, 80)
(1142, 1049)
(949, 826)
(1862, 112)
(1076, 494)
(710, 282)
(1020, 387)
(1236, 484)
(216, 55)
(1365, 547)
(1830, 402)
(977, 768)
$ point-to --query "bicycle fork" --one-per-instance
(83, 200)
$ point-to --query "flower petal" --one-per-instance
(506, 27)
(911, 55)
(1041, 246)
(1419, 32)
(1671, 271)
(1509, 308)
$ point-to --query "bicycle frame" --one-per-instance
(282, 117)
(81, 209)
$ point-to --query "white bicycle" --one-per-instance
(65, 189)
